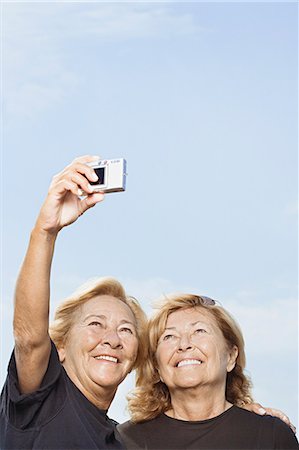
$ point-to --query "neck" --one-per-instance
(102, 399)
(99, 396)
(197, 404)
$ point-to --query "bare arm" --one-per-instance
(31, 314)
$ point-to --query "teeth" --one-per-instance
(188, 362)
(107, 358)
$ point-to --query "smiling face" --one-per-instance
(192, 351)
(101, 346)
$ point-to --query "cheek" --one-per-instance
(132, 347)
(162, 357)
(92, 331)
(221, 357)
(214, 353)
(89, 337)
(205, 345)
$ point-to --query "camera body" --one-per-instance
(111, 175)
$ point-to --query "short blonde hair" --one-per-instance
(151, 396)
(67, 310)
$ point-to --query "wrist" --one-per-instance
(40, 233)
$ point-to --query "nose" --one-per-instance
(112, 339)
(184, 343)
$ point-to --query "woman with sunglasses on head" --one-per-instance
(191, 392)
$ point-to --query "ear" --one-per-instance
(159, 378)
(61, 354)
(233, 355)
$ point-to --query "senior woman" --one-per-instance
(58, 390)
(190, 391)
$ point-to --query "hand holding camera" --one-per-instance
(77, 188)
(63, 205)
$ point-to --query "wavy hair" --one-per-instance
(151, 396)
(67, 311)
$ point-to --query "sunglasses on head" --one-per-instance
(206, 301)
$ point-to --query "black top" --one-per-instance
(56, 416)
(236, 428)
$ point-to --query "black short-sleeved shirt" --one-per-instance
(235, 429)
(56, 416)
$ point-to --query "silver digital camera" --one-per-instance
(111, 175)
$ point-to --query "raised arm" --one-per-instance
(62, 207)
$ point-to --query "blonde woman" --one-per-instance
(61, 382)
(191, 392)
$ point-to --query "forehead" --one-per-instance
(109, 306)
(190, 315)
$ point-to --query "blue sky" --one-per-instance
(201, 99)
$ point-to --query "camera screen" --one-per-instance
(100, 171)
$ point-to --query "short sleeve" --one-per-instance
(21, 409)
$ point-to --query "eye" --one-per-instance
(200, 330)
(168, 337)
(126, 330)
(95, 323)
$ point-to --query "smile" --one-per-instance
(188, 362)
(107, 358)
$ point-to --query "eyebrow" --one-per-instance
(95, 315)
(198, 321)
(103, 317)
(192, 324)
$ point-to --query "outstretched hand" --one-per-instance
(63, 205)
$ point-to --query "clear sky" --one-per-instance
(201, 99)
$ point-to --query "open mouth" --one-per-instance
(107, 358)
(189, 362)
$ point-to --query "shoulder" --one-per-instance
(257, 421)
(132, 428)
(283, 435)
(136, 436)
(129, 425)
(250, 416)
(125, 426)
(270, 429)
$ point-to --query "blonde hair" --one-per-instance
(65, 313)
(151, 396)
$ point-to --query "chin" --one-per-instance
(188, 383)
(107, 382)
(106, 378)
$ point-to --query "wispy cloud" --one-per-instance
(133, 20)
(110, 20)
(36, 39)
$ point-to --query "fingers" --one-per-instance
(76, 177)
(258, 409)
(90, 201)
(279, 414)
(293, 428)
(86, 159)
